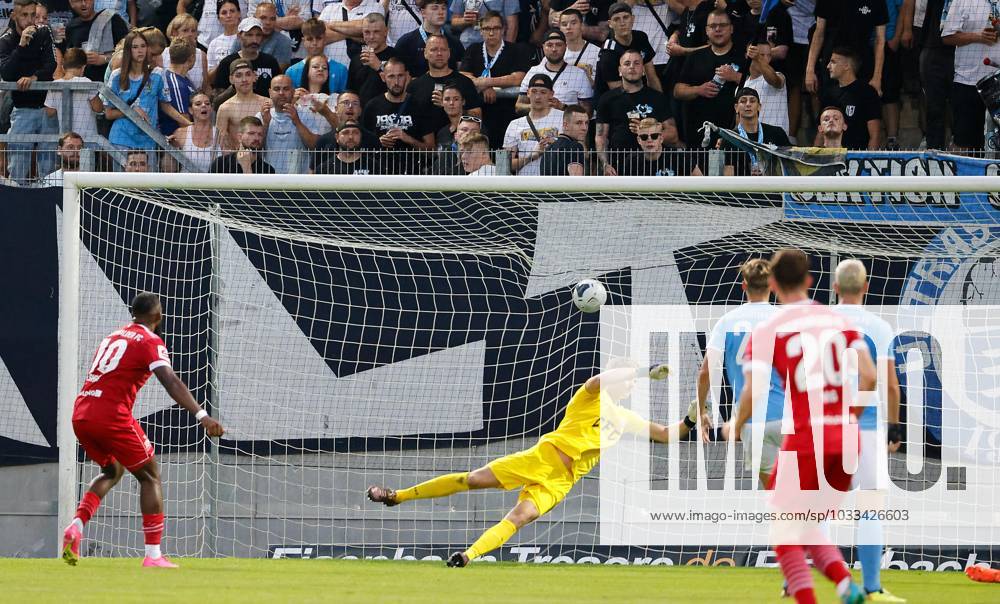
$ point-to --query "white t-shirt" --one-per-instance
(803, 15)
(773, 101)
(196, 74)
(209, 27)
(336, 11)
(487, 170)
(591, 54)
(400, 20)
(968, 16)
(646, 23)
(571, 86)
(520, 136)
(84, 120)
(220, 48)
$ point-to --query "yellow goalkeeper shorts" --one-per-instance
(541, 473)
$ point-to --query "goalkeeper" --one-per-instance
(547, 471)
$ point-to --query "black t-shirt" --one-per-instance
(326, 146)
(699, 67)
(669, 163)
(778, 32)
(410, 48)
(860, 104)
(513, 58)
(78, 32)
(560, 154)
(433, 116)
(382, 115)
(741, 160)
(611, 53)
(527, 19)
(615, 106)
(227, 164)
(598, 9)
(691, 26)
(850, 23)
(364, 164)
(932, 25)
(364, 80)
(265, 65)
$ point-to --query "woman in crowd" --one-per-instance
(315, 101)
(197, 141)
(226, 42)
(186, 28)
(210, 21)
(140, 85)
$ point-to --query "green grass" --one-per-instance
(380, 582)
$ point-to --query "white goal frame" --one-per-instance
(74, 182)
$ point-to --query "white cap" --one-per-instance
(250, 23)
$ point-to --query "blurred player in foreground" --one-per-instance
(725, 349)
(547, 471)
(791, 342)
(850, 281)
(103, 423)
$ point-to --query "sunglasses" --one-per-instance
(649, 137)
(470, 118)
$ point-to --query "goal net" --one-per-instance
(350, 332)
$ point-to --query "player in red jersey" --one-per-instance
(103, 423)
(806, 344)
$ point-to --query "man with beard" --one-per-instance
(427, 89)
(348, 109)
(78, 35)
(570, 84)
(621, 38)
(707, 82)
(397, 120)
(349, 159)
(411, 46)
(621, 110)
(68, 151)
(247, 159)
(251, 35)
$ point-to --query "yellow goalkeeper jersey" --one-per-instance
(580, 431)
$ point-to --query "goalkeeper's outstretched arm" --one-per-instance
(663, 434)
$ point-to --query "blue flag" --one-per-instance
(765, 9)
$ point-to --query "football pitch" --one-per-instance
(235, 580)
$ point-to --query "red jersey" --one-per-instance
(124, 361)
(805, 343)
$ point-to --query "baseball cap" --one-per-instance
(348, 125)
(239, 64)
(540, 79)
(554, 34)
(619, 7)
(250, 23)
(746, 91)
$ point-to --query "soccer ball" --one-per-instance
(589, 295)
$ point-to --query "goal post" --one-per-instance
(362, 330)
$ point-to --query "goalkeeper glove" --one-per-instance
(895, 433)
(659, 371)
(691, 419)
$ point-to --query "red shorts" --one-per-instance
(105, 442)
(809, 493)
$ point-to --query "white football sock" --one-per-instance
(842, 587)
(78, 523)
(153, 551)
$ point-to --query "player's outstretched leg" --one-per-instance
(827, 559)
(440, 486)
(523, 513)
(110, 475)
(151, 504)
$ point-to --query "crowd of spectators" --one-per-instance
(566, 87)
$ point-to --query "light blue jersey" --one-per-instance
(878, 336)
(730, 336)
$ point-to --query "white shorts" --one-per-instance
(769, 446)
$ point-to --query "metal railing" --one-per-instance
(65, 116)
